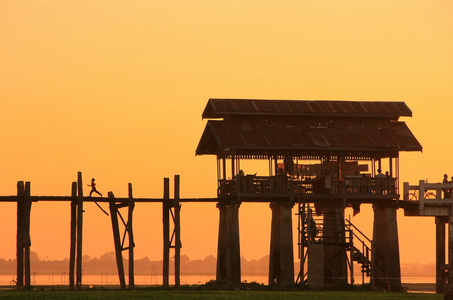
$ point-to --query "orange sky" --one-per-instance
(116, 89)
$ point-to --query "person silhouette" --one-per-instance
(93, 187)
(446, 191)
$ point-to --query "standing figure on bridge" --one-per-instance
(446, 191)
(93, 187)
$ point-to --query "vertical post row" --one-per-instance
(27, 240)
(177, 233)
(20, 234)
(131, 238)
(116, 239)
(166, 228)
(79, 229)
(72, 250)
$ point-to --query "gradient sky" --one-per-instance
(116, 89)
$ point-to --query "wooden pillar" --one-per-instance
(177, 232)
(131, 207)
(222, 244)
(72, 250)
(27, 240)
(233, 171)
(281, 258)
(79, 229)
(166, 233)
(20, 234)
(385, 249)
(117, 240)
(440, 253)
(233, 257)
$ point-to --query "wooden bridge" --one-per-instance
(171, 207)
(434, 200)
(328, 154)
(296, 192)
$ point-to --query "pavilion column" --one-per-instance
(228, 252)
(385, 249)
(281, 258)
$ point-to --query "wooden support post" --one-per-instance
(20, 234)
(72, 251)
(27, 240)
(131, 237)
(166, 229)
(222, 244)
(117, 239)
(177, 233)
(79, 230)
(440, 253)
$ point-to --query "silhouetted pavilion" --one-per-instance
(323, 155)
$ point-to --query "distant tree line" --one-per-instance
(106, 263)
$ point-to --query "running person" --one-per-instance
(93, 187)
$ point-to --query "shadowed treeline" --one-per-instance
(144, 266)
(106, 264)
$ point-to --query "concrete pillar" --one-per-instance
(233, 257)
(274, 255)
(228, 251)
(315, 265)
(222, 244)
(281, 258)
(440, 253)
(335, 258)
(385, 250)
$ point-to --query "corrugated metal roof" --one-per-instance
(218, 108)
(259, 139)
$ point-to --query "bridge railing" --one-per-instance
(252, 184)
(432, 198)
(370, 185)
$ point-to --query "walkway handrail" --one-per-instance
(363, 235)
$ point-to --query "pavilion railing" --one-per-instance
(252, 184)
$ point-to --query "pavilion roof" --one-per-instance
(272, 127)
(219, 108)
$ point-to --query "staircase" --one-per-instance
(362, 259)
(356, 243)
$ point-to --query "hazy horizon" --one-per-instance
(144, 265)
(116, 90)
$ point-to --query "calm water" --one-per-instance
(112, 279)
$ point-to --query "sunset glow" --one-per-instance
(116, 89)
